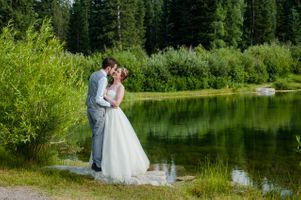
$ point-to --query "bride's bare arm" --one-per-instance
(119, 97)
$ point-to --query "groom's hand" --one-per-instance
(114, 106)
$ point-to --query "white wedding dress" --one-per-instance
(123, 156)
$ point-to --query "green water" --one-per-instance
(254, 134)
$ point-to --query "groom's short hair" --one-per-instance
(108, 62)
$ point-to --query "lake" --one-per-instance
(254, 135)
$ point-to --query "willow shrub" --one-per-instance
(40, 91)
(173, 70)
(296, 54)
(226, 68)
(277, 59)
(255, 69)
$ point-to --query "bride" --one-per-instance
(123, 155)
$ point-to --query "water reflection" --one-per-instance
(241, 177)
(254, 134)
(169, 169)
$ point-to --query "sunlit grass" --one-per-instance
(64, 185)
(212, 182)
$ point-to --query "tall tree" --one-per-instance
(283, 13)
(58, 11)
(5, 13)
(60, 18)
(166, 24)
(203, 17)
(295, 26)
(21, 12)
(153, 24)
(219, 27)
(260, 21)
(234, 21)
(78, 35)
(181, 21)
(122, 25)
(96, 25)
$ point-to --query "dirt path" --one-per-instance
(20, 193)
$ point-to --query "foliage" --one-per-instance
(78, 35)
(39, 89)
(296, 55)
(133, 60)
(90, 26)
(255, 69)
(21, 12)
(58, 11)
(225, 68)
(276, 58)
(175, 70)
(260, 22)
(212, 180)
(299, 143)
(281, 85)
(187, 69)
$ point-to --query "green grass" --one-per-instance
(64, 185)
(212, 182)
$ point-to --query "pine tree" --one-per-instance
(78, 37)
(283, 14)
(295, 26)
(123, 23)
(218, 26)
(139, 17)
(203, 18)
(181, 25)
(5, 13)
(166, 24)
(96, 23)
(153, 24)
(234, 21)
(260, 23)
(148, 23)
(60, 18)
(58, 11)
(21, 13)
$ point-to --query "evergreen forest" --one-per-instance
(88, 26)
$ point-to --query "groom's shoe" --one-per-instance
(95, 168)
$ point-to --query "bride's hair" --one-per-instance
(124, 73)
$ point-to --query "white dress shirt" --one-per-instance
(102, 84)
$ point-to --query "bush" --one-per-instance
(175, 70)
(276, 58)
(157, 76)
(296, 55)
(226, 67)
(255, 70)
(281, 85)
(133, 60)
(40, 91)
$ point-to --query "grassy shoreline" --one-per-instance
(212, 183)
(249, 89)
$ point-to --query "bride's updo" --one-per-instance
(124, 73)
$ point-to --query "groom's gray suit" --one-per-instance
(96, 112)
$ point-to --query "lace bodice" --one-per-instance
(112, 94)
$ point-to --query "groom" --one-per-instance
(96, 108)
